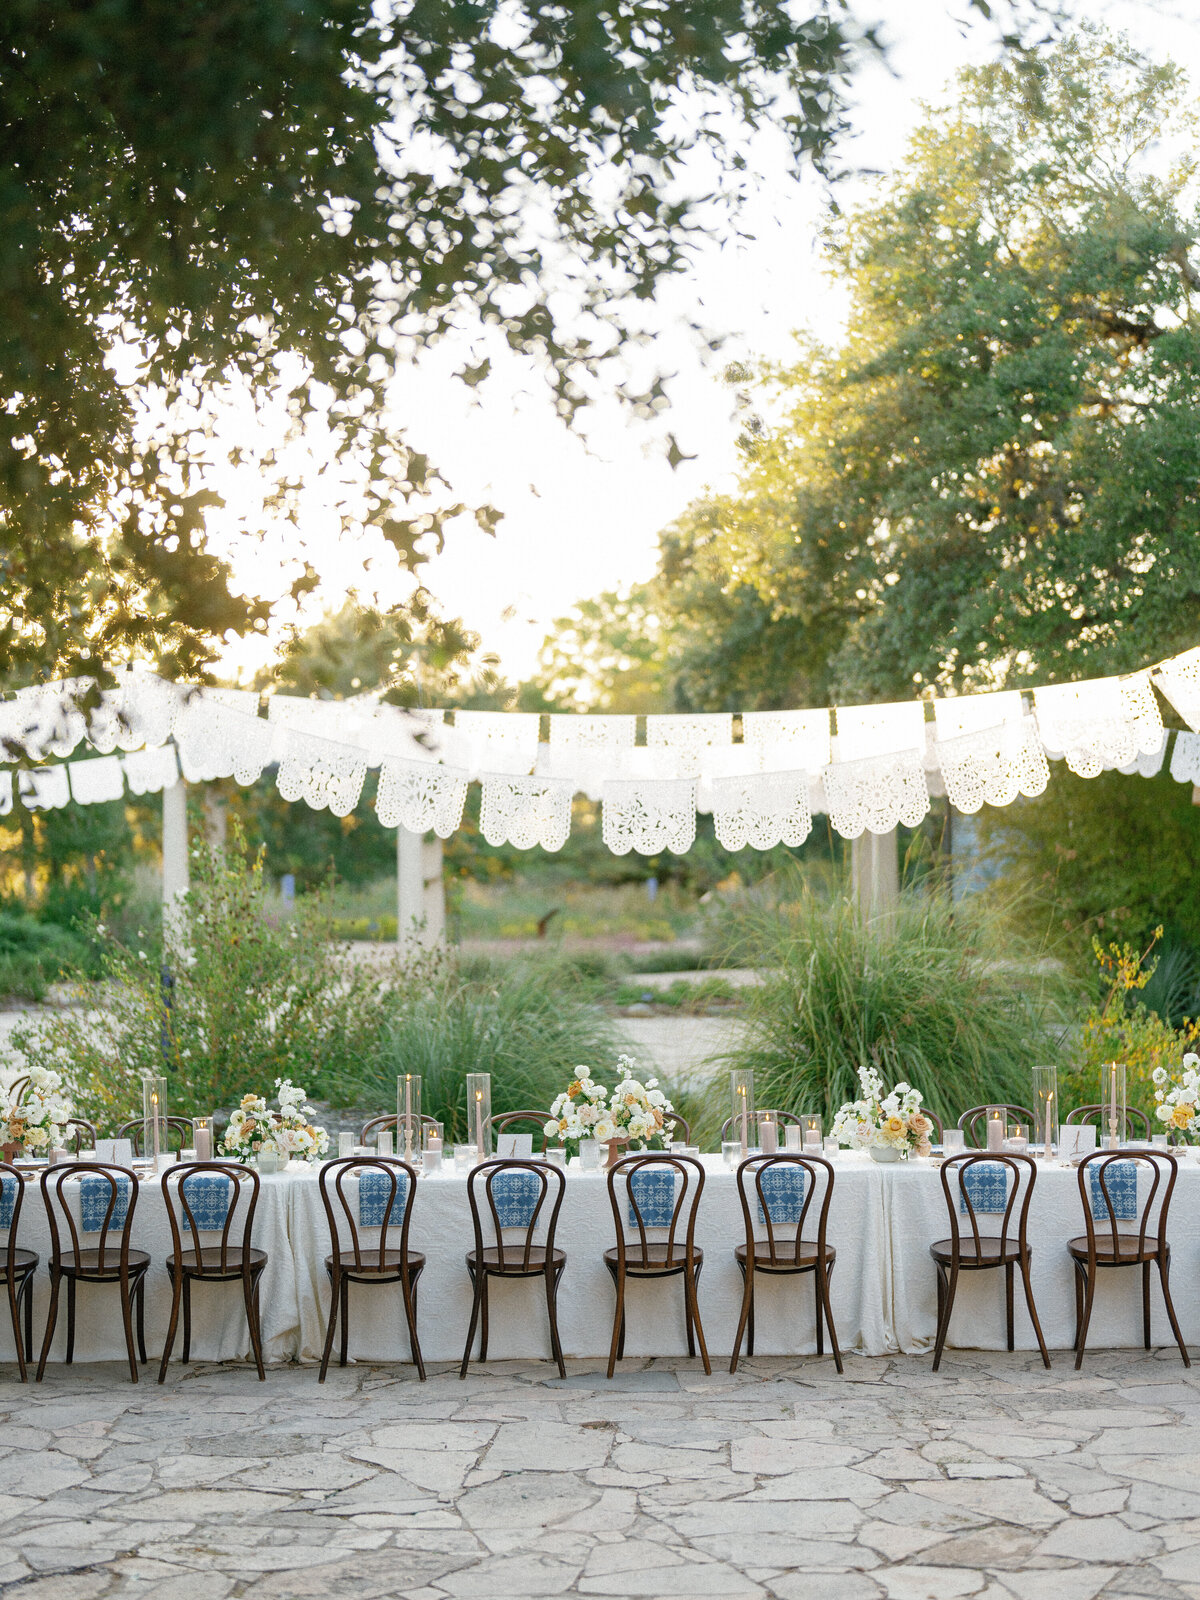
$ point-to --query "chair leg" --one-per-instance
(51, 1319)
(408, 1289)
(1146, 1304)
(250, 1296)
(1033, 1316)
(951, 1284)
(335, 1295)
(127, 1321)
(617, 1348)
(817, 1309)
(15, 1310)
(750, 1331)
(29, 1316)
(140, 1291)
(690, 1281)
(687, 1322)
(1088, 1297)
(187, 1317)
(476, 1286)
(70, 1320)
(1008, 1304)
(485, 1276)
(172, 1325)
(747, 1302)
(552, 1278)
(344, 1353)
(823, 1275)
(1164, 1273)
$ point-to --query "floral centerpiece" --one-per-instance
(888, 1126)
(288, 1132)
(1178, 1104)
(37, 1114)
(635, 1113)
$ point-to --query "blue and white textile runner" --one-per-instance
(95, 1195)
(783, 1192)
(1120, 1179)
(515, 1196)
(8, 1200)
(652, 1192)
(374, 1193)
(208, 1198)
(986, 1185)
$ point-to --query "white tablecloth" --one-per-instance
(884, 1294)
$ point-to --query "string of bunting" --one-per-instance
(867, 767)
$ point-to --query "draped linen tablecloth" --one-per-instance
(882, 1221)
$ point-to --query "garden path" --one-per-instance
(994, 1479)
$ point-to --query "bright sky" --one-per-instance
(581, 518)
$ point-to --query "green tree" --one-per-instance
(609, 654)
(292, 199)
(994, 476)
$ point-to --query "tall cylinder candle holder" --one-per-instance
(408, 1116)
(1045, 1109)
(479, 1113)
(741, 1088)
(155, 1143)
(1112, 1103)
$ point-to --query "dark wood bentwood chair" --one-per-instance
(659, 1193)
(208, 1196)
(783, 1188)
(1109, 1191)
(107, 1200)
(972, 1123)
(180, 1133)
(783, 1118)
(517, 1193)
(1137, 1123)
(384, 1191)
(78, 1135)
(19, 1265)
(975, 1185)
(520, 1122)
(392, 1121)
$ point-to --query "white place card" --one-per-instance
(1076, 1140)
(116, 1152)
(515, 1146)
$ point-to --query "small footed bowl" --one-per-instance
(885, 1153)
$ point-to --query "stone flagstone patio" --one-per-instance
(994, 1479)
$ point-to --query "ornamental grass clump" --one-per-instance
(942, 997)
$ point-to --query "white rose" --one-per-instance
(550, 1129)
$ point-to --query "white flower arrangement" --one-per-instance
(290, 1131)
(636, 1111)
(38, 1111)
(894, 1121)
(1179, 1105)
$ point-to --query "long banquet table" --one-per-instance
(882, 1221)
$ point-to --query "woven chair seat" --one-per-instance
(210, 1262)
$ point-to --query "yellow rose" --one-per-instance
(1182, 1115)
(894, 1126)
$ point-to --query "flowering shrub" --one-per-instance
(289, 1131)
(638, 1112)
(38, 1112)
(1179, 1105)
(893, 1121)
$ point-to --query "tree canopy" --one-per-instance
(291, 198)
(996, 473)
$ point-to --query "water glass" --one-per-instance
(954, 1142)
(731, 1152)
(793, 1138)
(1161, 1141)
(692, 1150)
(345, 1145)
(464, 1157)
(557, 1157)
(589, 1155)
(831, 1146)
(187, 1155)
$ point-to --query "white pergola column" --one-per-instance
(420, 892)
(875, 876)
(174, 855)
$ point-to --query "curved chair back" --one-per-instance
(517, 1193)
(971, 1122)
(506, 1121)
(783, 1118)
(180, 1133)
(392, 1188)
(659, 1192)
(12, 1197)
(206, 1197)
(392, 1120)
(1111, 1196)
(79, 1134)
(992, 1184)
(1137, 1123)
(109, 1201)
(783, 1188)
